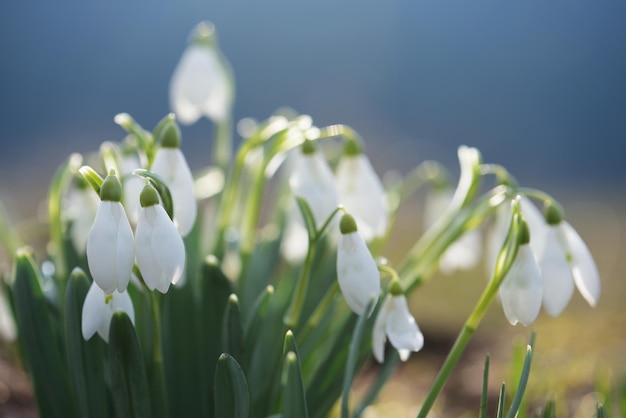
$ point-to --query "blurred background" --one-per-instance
(539, 87)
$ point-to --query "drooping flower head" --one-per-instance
(361, 192)
(202, 81)
(110, 246)
(565, 260)
(357, 273)
(83, 207)
(98, 309)
(521, 289)
(313, 180)
(170, 163)
(159, 248)
(394, 321)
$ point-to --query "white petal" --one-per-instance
(8, 330)
(379, 336)
(168, 247)
(116, 302)
(521, 290)
(436, 204)
(357, 273)
(171, 165)
(469, 160)
(132, 187)
(402, 329)
(143, 249)
(537, 225)
(110, 247)
(295, 242)
(584, 268)
(463, 254)
(93, 311)
(361, 192)
(200, 85)
(558, 283)
(84, 205)
(312, 180)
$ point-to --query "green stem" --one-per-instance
(157, 382)
(292, 316)
(222, 143)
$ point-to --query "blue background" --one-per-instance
(539, 86)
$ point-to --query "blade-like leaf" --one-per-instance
(483, 398)
(307, 215)
(294, 398)
(232, 399)
(85, 358)
(129, 384)
(232, 331)
(39, 341)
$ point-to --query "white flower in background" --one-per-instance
(564, 261)
(201, 84)
(313, 180)
(521, 288)
(159, 248)
(295, 241)
(8, 331)
(357, 273)
(394, 321)
(83, 207)
(110, 253)
(466, 251)
(98, 309)
(170, 163)
(362, 193)
(469, 180)
(132, 186)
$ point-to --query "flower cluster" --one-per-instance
(156, 247)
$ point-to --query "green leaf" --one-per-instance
(501, 400)
(294, 398)
(85, 358)
(256, 317)
(232, 399)
(550, 410)
(521, 386)
(232, 331)
(92, 178)
(40, 343)
(483, 398)
(161, 187)
(129, 384)
(353, 356)
(601, 411)
(307, 215)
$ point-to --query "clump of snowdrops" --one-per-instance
(257, 286)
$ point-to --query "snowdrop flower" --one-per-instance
(159, 248)
(110, 253)
(170, 163)
(396, 322)
(313, 180)
(83, 207)
(564, 261)
(201, 84)
(98, 309)
(361, 192)
(295, 242)
(465, 252)
(469, 180)
(357, 273)
(132, 186)
(521, 288)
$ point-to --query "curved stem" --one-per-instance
(292, 316)
(157, 381)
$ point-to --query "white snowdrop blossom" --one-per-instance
(362, 194)
(201, 83)
(98, 309)
(469, 160)
(295, 242)
(357, 273)
(170, 163)
(564, 261)
(110, 246)
(394, 321)
(159, 249)
(313, 180)
(83, 208)
(521, 289)
(466, 251)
